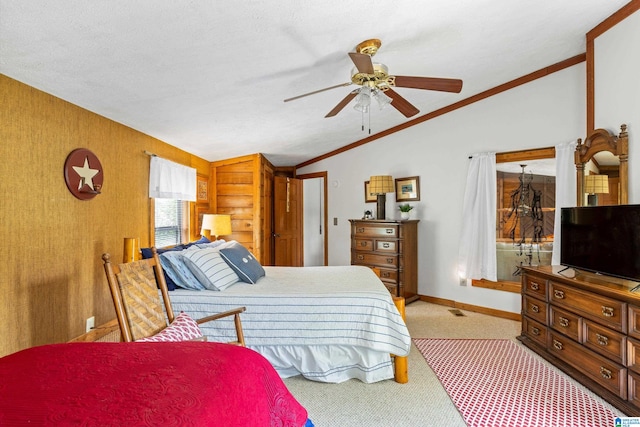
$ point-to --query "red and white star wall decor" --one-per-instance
(83, 174)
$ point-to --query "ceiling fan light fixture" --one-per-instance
(363, 99)
(382, 98)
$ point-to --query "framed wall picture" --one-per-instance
(202, 190)
(368, 197)
(408, 189)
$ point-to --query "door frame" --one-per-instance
(323, 175)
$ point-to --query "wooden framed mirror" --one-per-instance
(598, 141)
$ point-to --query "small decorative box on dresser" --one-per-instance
(588, 326)
(392, 247)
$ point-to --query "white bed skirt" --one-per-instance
(332, 364)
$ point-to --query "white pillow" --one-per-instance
(210, 269)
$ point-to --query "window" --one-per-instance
(171, 222)
(525, 214)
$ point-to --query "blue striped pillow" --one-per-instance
(210, 269)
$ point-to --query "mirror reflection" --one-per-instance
(525, 216)
(602, 180)
(602, 168)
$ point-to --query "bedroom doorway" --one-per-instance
(315, 219)
(287, 222)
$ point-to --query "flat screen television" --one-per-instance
(602, 239)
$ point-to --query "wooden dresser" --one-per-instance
(588, 326)
(392, 247)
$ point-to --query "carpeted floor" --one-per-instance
(499, 383)
(423, 401)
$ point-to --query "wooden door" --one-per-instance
(287, 221)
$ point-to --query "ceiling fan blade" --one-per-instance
(347, 99)
(318, 91)
(430, 83)
(401, 104)
(363, 62)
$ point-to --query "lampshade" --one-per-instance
(381, 184)
(216, 224)
(596, 184)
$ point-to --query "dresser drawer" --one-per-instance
(373, 230)
(386, 246)
(393, 289)
(389, 276)
(534, 330)
(609, 343)
(566, 322)
(536, 286)
(633, 354)
(607, 311)
(634, 321)
(606, 373)
(634, 388)
(534, 308)
(363, 245)
(364, 258)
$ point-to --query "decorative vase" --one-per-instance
(405, 215)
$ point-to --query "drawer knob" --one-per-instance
(360, 257)
(535, 331)
(558, 294)
(602, 340)
(607, 311)
(557, 345)
(386, 245)
(389, 230)
(535, 308)
(535, 286)
(606, 373)
(360, 229)
(363, 243)
(564, 322)
(386, 274)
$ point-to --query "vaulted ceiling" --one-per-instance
(210, 77)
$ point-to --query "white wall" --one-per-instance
(542, 113)
(313, 221)
(617, 89)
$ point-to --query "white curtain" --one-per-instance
(170, 180)
(477, 253)
(565, 190)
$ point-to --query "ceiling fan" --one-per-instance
(376, 83)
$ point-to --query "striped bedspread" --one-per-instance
(305, 306)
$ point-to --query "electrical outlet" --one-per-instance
(91, 323)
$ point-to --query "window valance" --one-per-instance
(170, 180)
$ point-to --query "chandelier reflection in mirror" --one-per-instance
(524, 220)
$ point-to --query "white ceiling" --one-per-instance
(210, 76)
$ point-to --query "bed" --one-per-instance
(328, 324)
(144, 384)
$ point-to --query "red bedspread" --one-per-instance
(144, 384)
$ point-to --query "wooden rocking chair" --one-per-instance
(139, 308)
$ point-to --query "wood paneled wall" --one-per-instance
(242, 187)
(51, 275)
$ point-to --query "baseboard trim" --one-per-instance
(474, 308)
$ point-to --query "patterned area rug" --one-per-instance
(497, 383)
